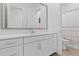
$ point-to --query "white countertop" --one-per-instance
(7, 36)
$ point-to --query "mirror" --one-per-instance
(25, 16)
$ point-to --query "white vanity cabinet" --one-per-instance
(40, 45)
(11, 47)
(32, 49)
(49, 47)
(12, 51)
(34, 45)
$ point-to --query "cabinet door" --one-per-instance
(32, 49)
(11, 42)
(11, 47)
(48, 47)
(12, 51)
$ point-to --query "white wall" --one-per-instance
(54, 23)
(70, 17)
(69, 6)
(70, 21)
(54, 17)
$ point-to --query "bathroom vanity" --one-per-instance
(28, 45)
(30, 29)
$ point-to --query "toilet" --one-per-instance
(65, 44)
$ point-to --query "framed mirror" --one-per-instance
(25, 16)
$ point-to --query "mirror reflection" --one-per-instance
(24, 15)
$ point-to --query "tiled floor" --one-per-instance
(71, 52)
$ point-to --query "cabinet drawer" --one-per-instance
(8, 52)
(49, 36)
(41, 37)
(11, 42)
(12, 51)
